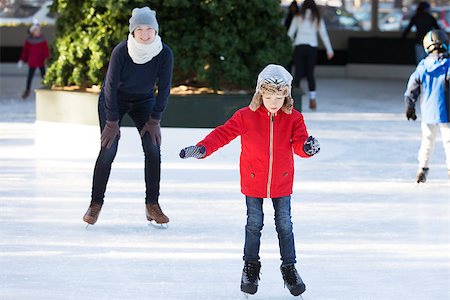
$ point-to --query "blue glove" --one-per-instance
(311, 146)
(193, 151)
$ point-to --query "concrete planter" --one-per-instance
(194, 111)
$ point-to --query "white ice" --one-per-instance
(363, 228)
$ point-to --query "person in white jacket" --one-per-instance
(303, 31)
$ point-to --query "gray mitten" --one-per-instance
(109, 133)
(311, 146)
(193, 151)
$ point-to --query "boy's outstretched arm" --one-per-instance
(193, 151)
(411, 95)
(311, 146)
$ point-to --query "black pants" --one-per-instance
(31, 74)
(139, 113)
(304, 61)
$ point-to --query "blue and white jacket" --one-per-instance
(430, 84)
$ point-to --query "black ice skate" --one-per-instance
(250, 277)
(422, 175)
(292, 279)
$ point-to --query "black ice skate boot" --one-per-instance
(422, 175)
(92, 213)
(292, 280)
(25, 94)
(250, 276)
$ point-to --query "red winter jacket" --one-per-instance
(267, 146)
(35, 51)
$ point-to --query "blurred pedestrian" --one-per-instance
(423, 21)
(136, 66)
(292, 11)
(35, 52)
(430, 84)
(305, 27)
(271, 133)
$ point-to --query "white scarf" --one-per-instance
(143, 53)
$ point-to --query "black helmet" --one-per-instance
(435, 39)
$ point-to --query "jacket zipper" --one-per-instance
(269, 180)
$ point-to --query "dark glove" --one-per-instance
(411, 113)
(109, 133)
(154, 130)
(193, 151)
(311, 146)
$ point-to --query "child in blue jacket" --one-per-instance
(430, 85)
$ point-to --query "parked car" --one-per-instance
(26, 12)
(335, 18)
(391, 21)
(442, 15)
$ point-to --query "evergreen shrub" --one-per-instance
(220, 44)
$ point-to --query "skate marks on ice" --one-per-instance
(151, 224)
(247, 296)
(162, 226)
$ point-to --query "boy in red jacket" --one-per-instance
(35, 51)
(270, 134)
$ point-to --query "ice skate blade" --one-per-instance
(159, 226)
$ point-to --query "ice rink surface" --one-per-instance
(363, 228)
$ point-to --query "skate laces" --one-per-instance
(251, 271)
(290, 274)
(157, 210)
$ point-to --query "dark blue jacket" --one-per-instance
(130, 82)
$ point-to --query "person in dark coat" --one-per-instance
(423, 22)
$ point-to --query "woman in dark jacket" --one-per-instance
(136, 66)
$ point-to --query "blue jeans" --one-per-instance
(255, 223)
(139, 111)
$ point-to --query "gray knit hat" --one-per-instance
(273, 79)
(143, 16)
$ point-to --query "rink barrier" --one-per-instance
(190, 111)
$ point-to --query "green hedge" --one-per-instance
(216, 43)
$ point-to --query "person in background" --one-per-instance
(271, 133)
(430, 84)
(292, 11)
(305, 27)
(423, 21)
(35, 52)
(137, 64)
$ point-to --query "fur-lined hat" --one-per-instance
(273, 79)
